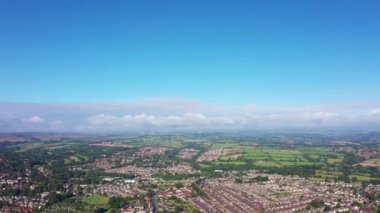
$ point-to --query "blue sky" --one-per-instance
(272, 54)
(230, 52)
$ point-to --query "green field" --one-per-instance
(204, 166)
(374, 159)
(334, 160)
(230, 157)
(47, 146)
(362, 177)
(30, 146)
(287, 163)
(331, 175)
(278, 157)
(58, 146)
(75, 159)
(97, 200)
(235, 163)
(327, 174)
(252, 155)
(267, 164)
(275, 157)
(224, 145)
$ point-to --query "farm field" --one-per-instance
(97, 200)
(334, 160)
(75, 159)
(320, 174)
(203, 165)
(230, 157)
(225, 145)
(235, 163)
(375, 162)
(266, 156)
(362, 177)
(156, 142)
(261, 163)
(59, 146)
(276, 157)
(30, 146)
(53, 146)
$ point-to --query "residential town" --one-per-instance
(191, 178)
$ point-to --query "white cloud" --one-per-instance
(254, 120)
(56, 123)
(375, 112)
(172, 121)
(33, 120)
(181, 115)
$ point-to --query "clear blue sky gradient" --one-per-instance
(272, 53)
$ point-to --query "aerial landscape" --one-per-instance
(189, 106)
(194, 172)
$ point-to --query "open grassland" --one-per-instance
(165, 141)
(231, 144)
(254, 153)
(30, 146)
(159, 142)
(204, 166)
(230, 157)
(327, 174)
(58, 146)
(287, 163)
(266, 164)
(279, 157)
(370, 163)
(362, 177)
(317, 153)
(47, 146)
(321, 174)
(230, 154)
(97, 200)
(275, 157)
(75, 159)
(334, 160)
(234, 163)
(224, 145)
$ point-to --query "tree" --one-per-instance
(260, 179)
(178, 185)
(150, 193)
(317, 204)
(238, 180)
(100, 210)
(344, 178)
(116, 202)
(179, 209)
(356, 203)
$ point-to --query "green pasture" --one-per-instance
(267, 164)
(236, 163)
(97, 200)
(76, 158)
(277, 157)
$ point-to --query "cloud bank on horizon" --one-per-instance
(181, 115)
